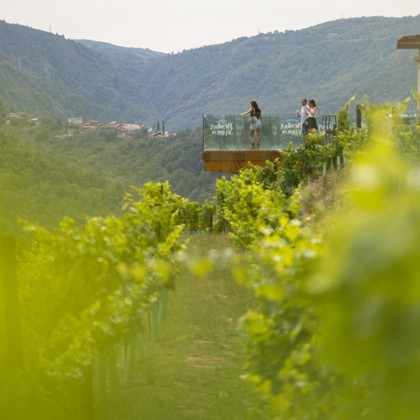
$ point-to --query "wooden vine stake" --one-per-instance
(8, 282)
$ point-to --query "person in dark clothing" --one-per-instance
(312, 113)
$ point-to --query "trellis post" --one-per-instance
(8, 280)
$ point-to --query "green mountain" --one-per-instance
(43, 73)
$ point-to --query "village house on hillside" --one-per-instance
(21, 117)
(123, 129)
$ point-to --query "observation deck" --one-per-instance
(226, 144)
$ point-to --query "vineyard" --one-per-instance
(326, 243)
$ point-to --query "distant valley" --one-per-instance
(46, 74)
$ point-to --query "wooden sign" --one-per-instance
(411, 42)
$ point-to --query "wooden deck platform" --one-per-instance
(232, 161)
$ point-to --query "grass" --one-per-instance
(193, 370)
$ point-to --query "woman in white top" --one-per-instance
(312, 110)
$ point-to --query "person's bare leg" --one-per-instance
(251, 138)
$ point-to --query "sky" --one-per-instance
(177, 25)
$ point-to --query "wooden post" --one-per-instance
(129, 359)
(358, 116)
(112, 369)
(87, 409)
(418, 86)
(8, 279)
(100, 378)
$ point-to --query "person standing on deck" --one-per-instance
(254, 113)
(312, 113)
(303, 114)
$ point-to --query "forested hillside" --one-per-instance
(46, 175)
(134, 161)
(46, 74)
(37, 187)
(42, 73)
(330, 62)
